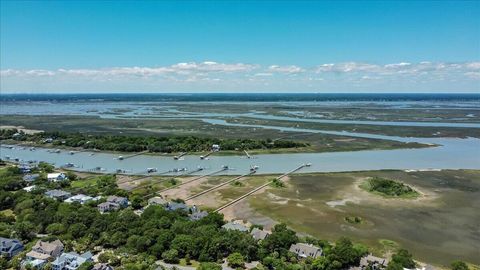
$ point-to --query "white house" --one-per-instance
(29, 188)
(80, 198)
(56, 177)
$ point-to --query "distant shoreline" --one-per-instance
(251, 97)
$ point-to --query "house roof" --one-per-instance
(55, 175)
(116, 199)
(10, 244)
(57, 193)
(157, 200)
(177, 206)
(198, 215)
(48, 247)
(38, 255)
(30, 177)
(364, 261)
(235, 226)
(102, 266)
(259, 234)
(305, 250)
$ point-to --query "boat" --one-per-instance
(71, 152)
(68, 165)
(151, 170)
(225, 167)
(120, 157)
(308, 164)
(254, 168)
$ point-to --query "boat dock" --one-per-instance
(194, 179)
(219, 186)
(132, 155)
(258, 188)
(180, 155)
(206, 155)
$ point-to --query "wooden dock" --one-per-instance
(218, 186)
(134, 155)
(194, 179)
(257, 189)
(180, 156)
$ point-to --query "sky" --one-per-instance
(248, 46)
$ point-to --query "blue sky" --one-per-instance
(376, 46)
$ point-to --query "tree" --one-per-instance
(236, 260)
(459, 265)
(209, 266)
(404, 258)
(170, 256)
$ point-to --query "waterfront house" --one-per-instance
(71, 261)
(306, 250)
(121, 201)
(157, 201)
(215, 148)
(58, 194)
(107, 207)
(102, 266)
(235, 226)
(80, 198)
(258, 234)
(29, 188)
(173, 206)
(25, 168)
(197, 215)
(42, 252)
(10, 247)
(56, 177)
(30, 177)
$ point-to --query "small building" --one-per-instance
(29, 188)
(71, 261)
(58, 194)
(197, 215)
(258, 234)
(80, 198)
(30, 177)
(373, 262)
(157, 201)
(48, 140)
(215, 147)
(306, 250)
(25, 168)
(102, 266)
(10, 247)
(56, 177)
(121, 201)
(42, 252)
(235, 226)
(174, 206)
(107, 207)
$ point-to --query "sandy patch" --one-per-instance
(184, 191)
(22, 128)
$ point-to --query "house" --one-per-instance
(71, 261)
(10, 247)
(25, 168)
(41, 252)
(58, 194)
(113, 203)
(107, 207)
(30, 177)
(258, 234)
(215, 148)
(102, 266)
(372, 262)
(306, 250)
(29, 188)
(80, 198)
(56, 177)
(122, 201)
(235, 226)
(173, 206)
(157, 201)
(197, 215)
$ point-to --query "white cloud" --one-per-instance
(285, 69)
